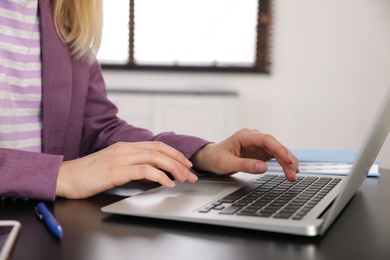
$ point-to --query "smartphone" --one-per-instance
(9, 231)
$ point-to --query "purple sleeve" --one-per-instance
(28, 175)
(103, 128)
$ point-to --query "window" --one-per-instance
(189, 35)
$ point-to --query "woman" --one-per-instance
(77, 146)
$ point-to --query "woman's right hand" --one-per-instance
(119, 164)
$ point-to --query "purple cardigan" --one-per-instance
(77, 120)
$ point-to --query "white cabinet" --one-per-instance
(210, 115)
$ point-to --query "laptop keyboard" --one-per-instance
(272, 196)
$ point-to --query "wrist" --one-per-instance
(199, 159)
(61, 181)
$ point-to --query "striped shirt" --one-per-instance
(20, 76)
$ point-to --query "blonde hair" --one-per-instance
(79, 24)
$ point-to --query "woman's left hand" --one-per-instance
(245, 151)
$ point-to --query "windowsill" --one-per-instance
(173, 92)
(186, 69)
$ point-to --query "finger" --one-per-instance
(174, 154)
(289, 163)
(162, 161)
(284, 157)
(165, 149)
(232, 164)
(289, 173)
(147, 172)
(287, 157)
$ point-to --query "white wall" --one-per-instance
(331, 66)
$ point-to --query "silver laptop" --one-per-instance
(265, 202)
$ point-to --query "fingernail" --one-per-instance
(193, 176)
(294, 175)
(188, 163)
(171, 184)
(260, 168)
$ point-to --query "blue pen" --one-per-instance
(44, 214)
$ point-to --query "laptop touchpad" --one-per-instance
(187, 189)
(184, 197)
